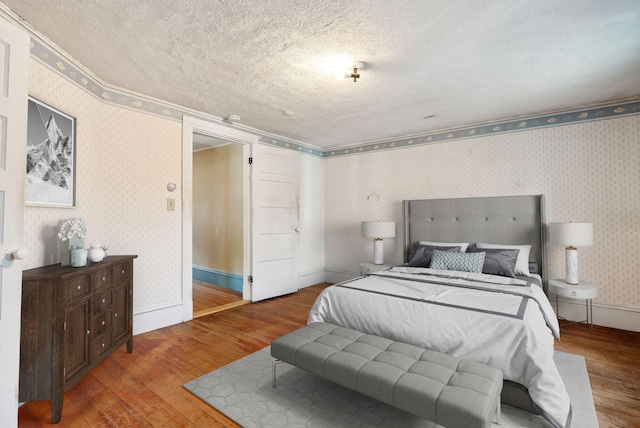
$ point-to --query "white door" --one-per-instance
(275, 201)
(14, 68)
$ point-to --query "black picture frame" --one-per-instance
(51, 165)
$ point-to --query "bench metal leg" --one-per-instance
(274, 363)
(498, 412)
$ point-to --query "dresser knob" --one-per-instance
(88, 332)
(103, 345)
(123, 271)
(104, 278)
(78, 287)
(102, 322)
(103, 300)
(115, 315)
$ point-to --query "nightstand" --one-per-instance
(367, 268)
(583, 290)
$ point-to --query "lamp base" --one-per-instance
(378, 252)
(572, 265)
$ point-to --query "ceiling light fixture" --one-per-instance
(356, 69)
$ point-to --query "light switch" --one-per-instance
(171, 204)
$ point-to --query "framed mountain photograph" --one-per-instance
(51, 152)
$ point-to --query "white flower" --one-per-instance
(71, 228)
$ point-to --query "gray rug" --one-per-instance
(242, 391)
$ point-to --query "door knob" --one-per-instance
(16, 254)
(297, 229)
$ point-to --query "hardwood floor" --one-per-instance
(613, 358)
(144, 389)
(209, 299)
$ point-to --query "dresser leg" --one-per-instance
(56, 410)
(130, 346)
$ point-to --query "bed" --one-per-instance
(501, 318)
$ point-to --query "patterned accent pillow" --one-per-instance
(464, 262)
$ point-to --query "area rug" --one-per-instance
(242, 391)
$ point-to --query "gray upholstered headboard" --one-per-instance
(498, 220)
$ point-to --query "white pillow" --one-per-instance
(522, 262)
(463, 245)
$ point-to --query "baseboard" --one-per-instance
(605, 315)
(153, 318)
(216, 277)
(312, 279)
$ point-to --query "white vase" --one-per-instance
(96, 253)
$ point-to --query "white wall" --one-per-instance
(312, 220)
(588, 172)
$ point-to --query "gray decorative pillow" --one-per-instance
(498, 261)
(522, 265)
(464, 262)
(421, 254)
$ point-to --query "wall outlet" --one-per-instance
(171, 204)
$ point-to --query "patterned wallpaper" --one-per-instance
(588, 172)
(124, 161)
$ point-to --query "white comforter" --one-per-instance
(490, 319)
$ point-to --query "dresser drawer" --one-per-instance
(101, 343)
(121, 271)
(101, 301)
(77, 287)
(102, 279)
(101, 322)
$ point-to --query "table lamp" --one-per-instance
(378, 230)
(572, 235)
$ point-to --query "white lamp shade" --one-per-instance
(378, 229)
(571, 234)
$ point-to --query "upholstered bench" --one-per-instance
(449, 391)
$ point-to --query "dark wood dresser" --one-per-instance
(72, 319)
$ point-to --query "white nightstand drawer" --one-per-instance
(584, 290)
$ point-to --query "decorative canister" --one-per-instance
(78, 257)
(96, 253)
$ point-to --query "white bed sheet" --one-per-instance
(494, 320)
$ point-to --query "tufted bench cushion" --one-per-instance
(449, 391)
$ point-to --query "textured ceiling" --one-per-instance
(462, 62)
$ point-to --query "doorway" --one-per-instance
(218, 135)
(217, 224)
